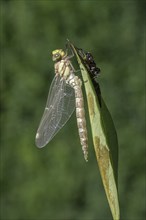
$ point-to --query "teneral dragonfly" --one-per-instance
(64, 96)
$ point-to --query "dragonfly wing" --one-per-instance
(60, 106)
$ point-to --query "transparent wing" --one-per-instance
(59, 107)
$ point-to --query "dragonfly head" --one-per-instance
(58, 54)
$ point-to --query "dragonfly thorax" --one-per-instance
(64, 68)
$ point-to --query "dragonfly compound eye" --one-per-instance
(57, 55)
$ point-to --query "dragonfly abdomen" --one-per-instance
(75, 82)
(65, 69)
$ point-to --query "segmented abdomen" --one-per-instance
(75, 82)
(66, 70)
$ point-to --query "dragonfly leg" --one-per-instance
(75, 71)
(78, 70)
(70, 56)
(67, 46)
(72, 67)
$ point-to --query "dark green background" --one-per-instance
(55, 183)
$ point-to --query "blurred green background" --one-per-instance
(55, 183)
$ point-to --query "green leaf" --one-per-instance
(104, 138)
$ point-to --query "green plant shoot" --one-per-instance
(104, 137)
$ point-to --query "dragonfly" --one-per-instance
(65, 95)
(92, 69)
